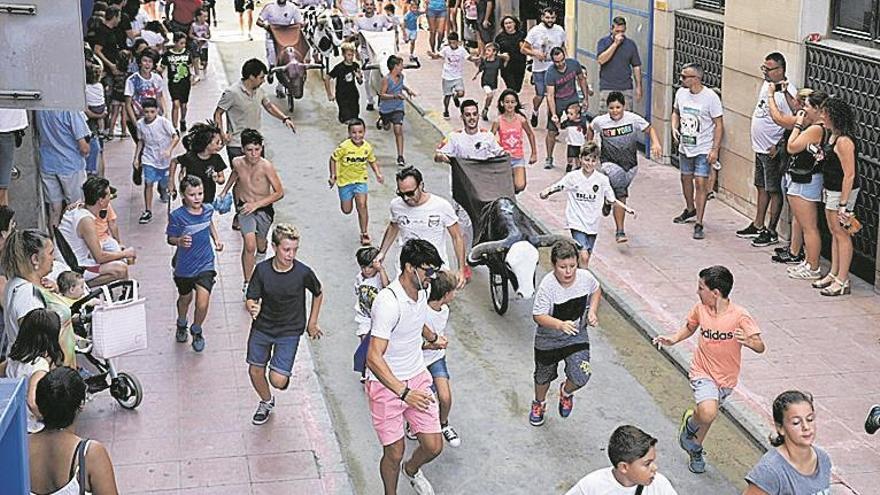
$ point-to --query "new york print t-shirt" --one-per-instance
(620, 138)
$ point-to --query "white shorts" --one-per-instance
(453, 86)
(488, 90)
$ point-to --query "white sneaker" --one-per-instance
(407, 431)
(804, 273)
(420, 484)
(451, 436)
(260, 257)
(797, 267)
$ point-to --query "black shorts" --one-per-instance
(203, 55)
(573, 151)
(242, 5)
(180, 91)
(186, 285)
(395, 117)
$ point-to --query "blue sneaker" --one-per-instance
(181, 334)
(685, 437)
(697, 464)
(198, 342)
(566, 404)
(536, 416)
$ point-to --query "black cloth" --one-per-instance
(510, 44)
(283, 295)
(513, 76)
(478, 183)
(348, 109)
(832, 170)
(489, 76)
(122, 29)
(203, 169)
(346, 80)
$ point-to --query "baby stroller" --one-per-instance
(97, 320)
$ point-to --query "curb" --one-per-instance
(747, 420)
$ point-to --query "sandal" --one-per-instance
(824, 282)
(836, 289)
(365, 239)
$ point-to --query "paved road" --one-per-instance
(490, 356)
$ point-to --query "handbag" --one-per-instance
(852, 225)
(360, 354)
(119, 327)
(803, 165)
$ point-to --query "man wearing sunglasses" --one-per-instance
(418, 214)
(398, 383)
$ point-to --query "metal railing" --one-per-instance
(855, 79)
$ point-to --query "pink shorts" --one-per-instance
(389, 412)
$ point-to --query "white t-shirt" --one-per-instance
(481, 145)
(453, 62)
(436, 321)
(586, 195)
(399, 320)
(375, 23)
(153, 39)
(16, 369)
(20, 299)
(349, 7)
(365, 291)
(156, 136)
(281, 15)
(12, 120)
(68, 227)
(696, 112)
(602, 482)
(429, 221)
(95, 95)
(544, 40)
(765, 132)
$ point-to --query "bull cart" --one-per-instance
(291, 52)
(375, 49)
(506, 240)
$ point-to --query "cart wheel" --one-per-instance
(498, 288)
(127, 391)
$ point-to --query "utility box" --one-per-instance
(13, 437)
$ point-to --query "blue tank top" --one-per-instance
(394, 88)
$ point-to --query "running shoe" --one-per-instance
(782, 249)
(872, 423)
(198, 342)
(451, 436)
(803, 272)
(620, 237)
(696, 463)
(765, 238)
(370, 107)
(418, 482)
(401, 162)
(685, 216)
(446, 114)
(606, 209)
(685, 437)
(534, 120)
(264, 409)
(146, 217)
(787, 258)
(566, 404)
(548, 163)
(698, 231)
(536, 416)
(749, 232)
(181, 334)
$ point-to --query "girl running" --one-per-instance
(510, 127)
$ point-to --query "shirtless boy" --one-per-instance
(256, 187)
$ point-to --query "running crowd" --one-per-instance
(138, 60)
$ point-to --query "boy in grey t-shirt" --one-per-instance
(565, 304)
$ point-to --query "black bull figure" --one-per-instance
(291, 68)
(506, 240)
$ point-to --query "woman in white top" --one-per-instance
(26, 261)
(61, 463)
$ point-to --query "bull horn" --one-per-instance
(370, 67)
(415, 64)
(549, 239)
(484, 248)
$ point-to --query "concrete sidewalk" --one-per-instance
(193, 434)
(827, 346)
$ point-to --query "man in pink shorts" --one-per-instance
(398, 383)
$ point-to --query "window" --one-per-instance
(856, 19)
(714, 5)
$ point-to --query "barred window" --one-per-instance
(856, 19)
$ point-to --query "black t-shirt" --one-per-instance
(178, 66)
(283, 310)
(510, 44)
(203, 169)
(109, 42)
(122, 29)
(490, 69)
(346, 80)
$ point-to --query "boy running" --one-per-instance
(587, 192)
(178, 61)
(391, 103)
(575, 128)
(566, 303)
(152, 156)
(202, 159)
(488, 68)
(411, 27)
(350, 160)
(276, 300)
(191, 229)
(371, 278)
(142, 85)
(725, 328)
(434, 348)
(348, 75)
(454, 56)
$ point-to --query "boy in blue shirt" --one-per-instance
(191, 229)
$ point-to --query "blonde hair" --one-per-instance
(348, 46)
(284, 231)
(590, 149)
(20, 246)
(804, 93)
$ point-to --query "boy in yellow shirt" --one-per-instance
(348, 172)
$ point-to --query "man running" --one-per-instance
(539, 41)
(256, 188)
(398, 383)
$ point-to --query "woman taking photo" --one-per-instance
(804, 190)
(841, 181)
(795, 465)
(509, 42)
(61, 463)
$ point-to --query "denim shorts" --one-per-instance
(808, 192)
(439, 13)
(517, 163)
(619, 178)
(278, 352)
(706, 389)
(697, 166)
(586, 241)
(438, 369)
(348, 191)
(153, 175)
(540, 87)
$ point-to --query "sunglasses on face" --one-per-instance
(407, 194)
(430, 272)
